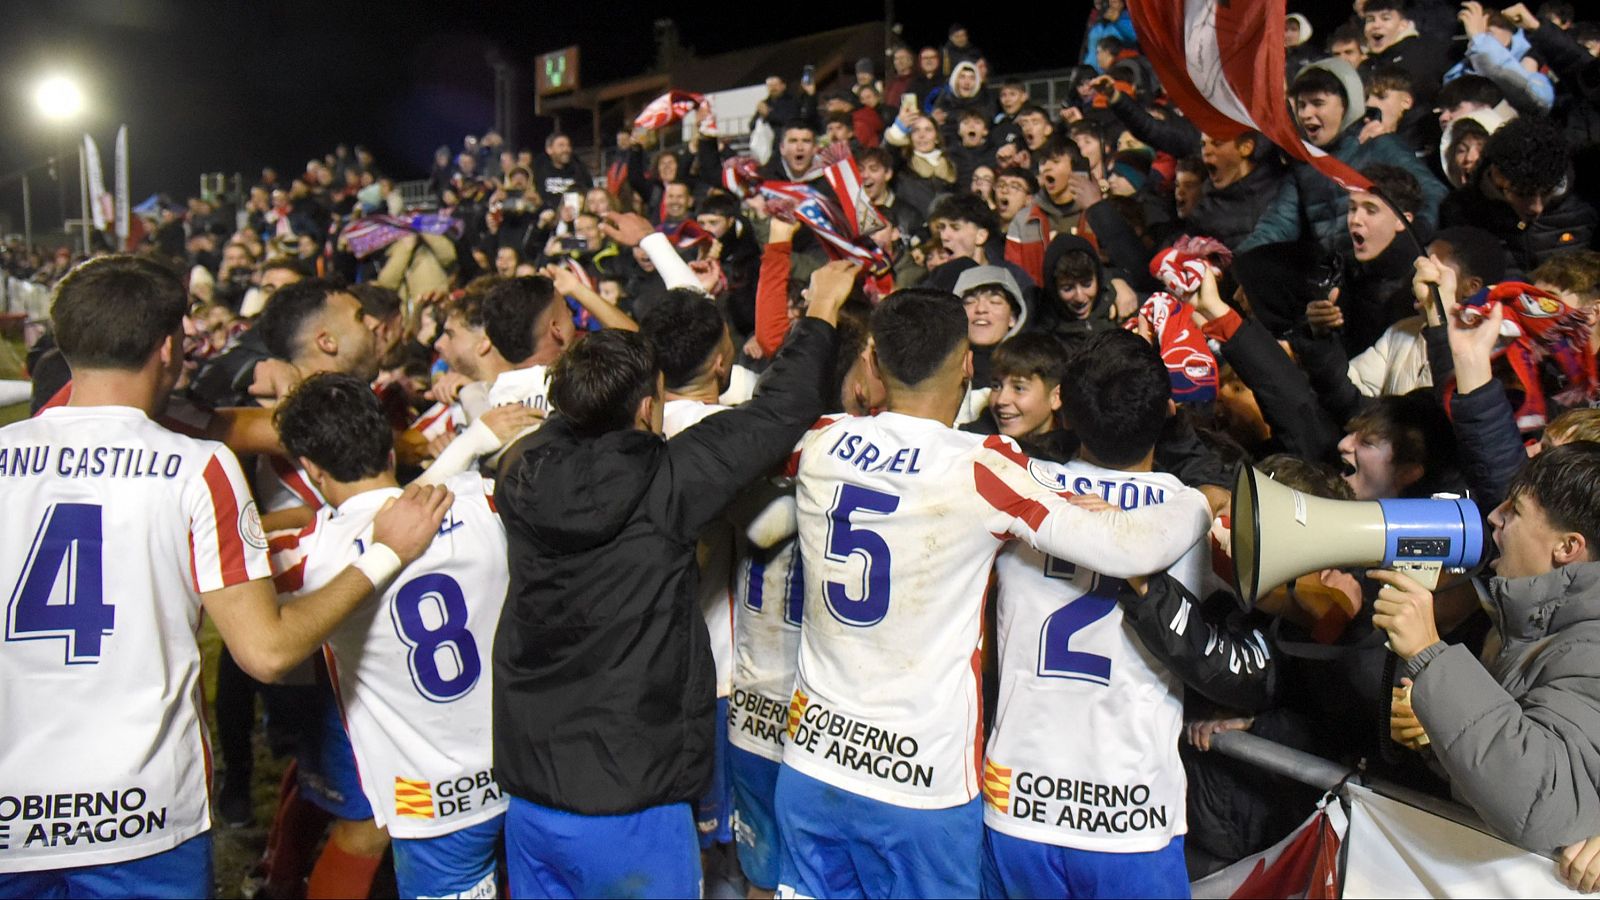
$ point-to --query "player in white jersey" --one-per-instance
(117, 533)
(1085, 792)
(411, 669)
(900, 520)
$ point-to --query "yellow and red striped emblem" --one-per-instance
(413, 799)
(797, 709)
(997, 785)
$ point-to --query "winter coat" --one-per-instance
(1053, 316)
(605, 697)
(1530, 93)
(1230, 214)
(1568, 222)
(1519, 732)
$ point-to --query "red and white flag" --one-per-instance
(674, 105)
(1304, 864)
(1222, 62)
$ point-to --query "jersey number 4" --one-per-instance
(430, 615)
(1057, 659)
(68, 540)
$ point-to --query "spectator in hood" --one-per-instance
(1497, 50)
(1328, 102)
(1079, 294)
(1461, 145)
(963, 92)
(996, 310)
(1298, 47)
(1522, 193)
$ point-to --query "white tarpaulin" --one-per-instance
(1397, 850)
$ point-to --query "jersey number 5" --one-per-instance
(68, 539)
(846, 541)
(430, 615)
(1057, 659)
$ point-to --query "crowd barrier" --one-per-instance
(1369, 838)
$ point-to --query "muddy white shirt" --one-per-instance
(900, 521)
(112, 529)
(1085, 746)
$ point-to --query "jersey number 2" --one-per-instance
(1057, 659)
(430, 615)
(69, 539)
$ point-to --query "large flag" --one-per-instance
(101, 206)
(120, 187)
(1222, 61)
(1304, 864)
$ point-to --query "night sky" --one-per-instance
(231, 86)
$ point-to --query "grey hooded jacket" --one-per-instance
(1519, 733)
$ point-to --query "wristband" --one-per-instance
(379, 563)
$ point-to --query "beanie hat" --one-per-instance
(995, 277)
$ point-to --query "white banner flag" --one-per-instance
(100, 205)
(120, 185)
(1395, 850)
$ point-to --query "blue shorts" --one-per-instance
(327, 771)
(183, 871)
(835, 843)
(1017, 868)
(650, 853)
(755, 826)
(713, 814)
(458, 864)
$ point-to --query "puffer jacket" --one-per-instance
(1568, 222)
(1519, 732)
(1230, 214)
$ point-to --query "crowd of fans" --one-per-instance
(1297, 322)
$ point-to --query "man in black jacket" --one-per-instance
(604, 693)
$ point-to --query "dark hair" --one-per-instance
(843, 118)
(1058, 145)
(1530, 153)
(112, 312)
(511, 311)
(975, 114)
(1116, 396)
(286, 315)
(1559, 9)
(878, 155)
(965, 208)
(1028, 178)
(598, 383)
(1386, 77)
(797, 125)
(1418, 429)
(719, 205)
(1398, 6)
(1348, 33)
(1110, 44)
(337, 422)
(1468, 89)
(1397, 184)
(1012, 81)
(377, 301)
(1565, 481)
(1317, 80)
(1308, 477)
(915, 331)
(1076, 267)
(1192, 165)
(685, 329)
(1476, 252)
(853, 330)
(287, 264)
(1032, 109)
(1030, 353)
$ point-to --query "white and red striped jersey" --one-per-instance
(440, 419)
(715, 555)
(281, 484)
(113, 527)
(900, 521)
(769, 588)
(1084, 752)
(412, 668)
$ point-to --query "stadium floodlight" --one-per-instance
(59, 98)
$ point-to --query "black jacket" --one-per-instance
(1230, 214)
(1567, 223)
(605, 691)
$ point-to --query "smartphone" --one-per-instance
(1373, 114)
(908, 103)
(572, 201)
(807, 74)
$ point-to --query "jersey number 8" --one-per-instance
(430, 616)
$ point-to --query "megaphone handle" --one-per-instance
(1423, 573)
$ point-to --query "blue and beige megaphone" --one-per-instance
(1280, 533)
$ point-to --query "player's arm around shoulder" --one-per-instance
(1029, 501)
(267, 638)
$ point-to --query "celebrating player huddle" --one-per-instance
(652, 618)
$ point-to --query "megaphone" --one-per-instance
(1280, 533)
